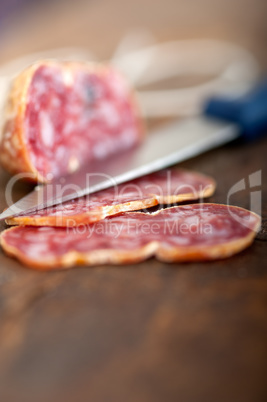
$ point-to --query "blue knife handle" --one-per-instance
(249, 111)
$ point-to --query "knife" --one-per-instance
(223, 120)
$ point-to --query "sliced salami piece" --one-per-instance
(186, 233)
(60, 116)
(164, 187)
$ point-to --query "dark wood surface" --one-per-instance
(150, 332)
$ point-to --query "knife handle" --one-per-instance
(249, 111)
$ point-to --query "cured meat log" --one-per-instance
(185, 233)
(164, 187)
(60, 116)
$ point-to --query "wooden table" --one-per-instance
(150, 332)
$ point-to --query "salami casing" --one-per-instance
(164, 187)
(186, 233)
(61, 115)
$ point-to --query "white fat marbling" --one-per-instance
(47, 129)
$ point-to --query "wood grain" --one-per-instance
(152, 331)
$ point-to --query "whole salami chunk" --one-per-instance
(164, 187)
(186, 233)
(61, 115)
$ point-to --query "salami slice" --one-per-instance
(186, 233)
(61, 115)
(164, 187)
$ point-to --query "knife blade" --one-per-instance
(164, 147)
